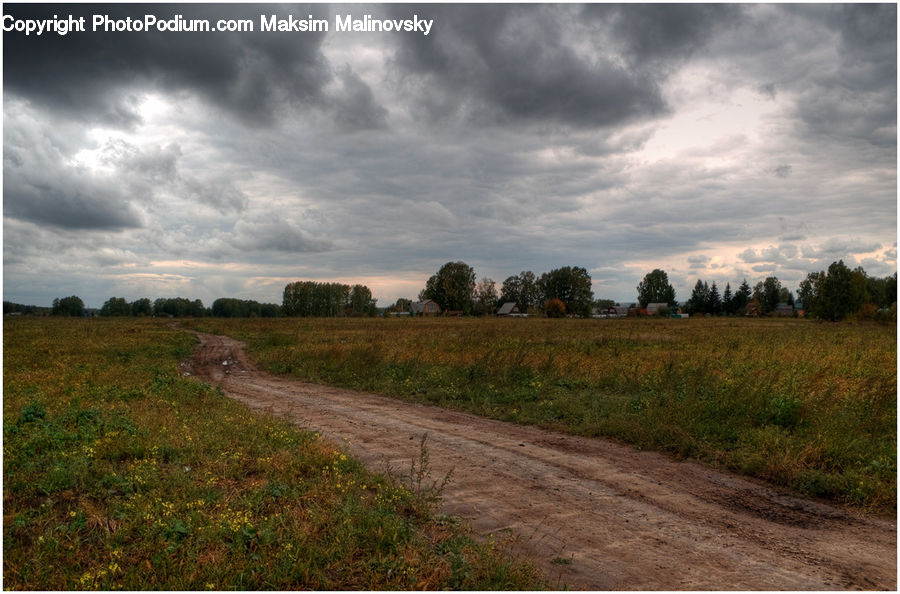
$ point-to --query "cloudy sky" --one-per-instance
(719, 142)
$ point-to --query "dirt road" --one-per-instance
(594, 514)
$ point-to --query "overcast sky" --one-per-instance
(718, 142)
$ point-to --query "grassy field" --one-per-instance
(811, 406)
(120, 473)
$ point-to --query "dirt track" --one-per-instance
(594, 514)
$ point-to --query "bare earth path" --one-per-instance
(611, 517)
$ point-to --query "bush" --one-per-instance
(554, 308)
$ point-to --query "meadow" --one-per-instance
(122, 473)
(806, 405)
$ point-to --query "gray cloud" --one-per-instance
(664, 32)
(39, 185)
(517, 63)
(699, 261)
(275, 234)
(250, 75)
(512, 137)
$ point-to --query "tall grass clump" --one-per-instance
(121, 472)
(811, 406)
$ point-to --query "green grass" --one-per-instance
(811, 406)
(121, 473)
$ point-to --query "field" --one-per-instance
(122, 473)
(810, 406)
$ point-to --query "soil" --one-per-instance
(593, 514)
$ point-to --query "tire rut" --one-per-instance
(592, 513)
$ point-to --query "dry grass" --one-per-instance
(121, 473)
(804, 404)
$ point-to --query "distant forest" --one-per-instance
(836, 294)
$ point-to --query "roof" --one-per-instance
(507, 308)
(419, 306)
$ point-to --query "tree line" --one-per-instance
(832, 295)
(835, 294)
(313, 299)
(557, 292)
(177, 307)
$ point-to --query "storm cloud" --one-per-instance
(714, 141)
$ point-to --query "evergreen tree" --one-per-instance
(713, 301)
(697, 303)
(727, 300)
(742, 297)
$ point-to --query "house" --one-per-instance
(653, 308)
(510, 308)
(425, 308)
(617, 311)
(784, 310)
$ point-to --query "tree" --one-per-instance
(713, 301)
(555, 308)
(572, 286)
(142, 307)
(882, 291)
(485, 297)
(115, 306)
(727, 300)
(742, 297)
(68, 306)
(521, 289)
(655, 288)
(808, 293)
(509, 291)
(452, 287)
(841, 292)
(767, 294)
(603, 304)
(699, 296)
(402, 304)
(309, 298)
(361, 302)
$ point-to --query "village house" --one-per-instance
(784, 310)
(510, 308)
(653, 308)
(425, 308)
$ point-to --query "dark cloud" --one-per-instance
(42, 186)
(69, 202)
(512, 137)
(94, 75)
(664, 33)
(500, 63)
(858, 99)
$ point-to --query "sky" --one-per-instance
(716, 142)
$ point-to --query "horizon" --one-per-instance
(715, 142)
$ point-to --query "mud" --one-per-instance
(593, 514)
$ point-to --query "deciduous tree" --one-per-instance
(655, 288)
(572, 286)
(452, 287)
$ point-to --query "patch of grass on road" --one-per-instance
(811, 406)
(122, 473)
